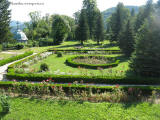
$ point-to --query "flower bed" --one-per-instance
(71, 62)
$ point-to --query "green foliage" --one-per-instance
(8, 60)
(90, 7)
(144, 13)
(82, 31)
(1, 48)
(99, 32)
(4, 101)
(127, 39)
(4, 21)
(117, 21)
(71, 62)
(59, 54)
(59, 29)
(19, 46)
(145, 60)
(44, 67)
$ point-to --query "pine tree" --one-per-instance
(82, 31)
(4, 20)
(126, 40)
(99, 32)
(145, 61)
(118, 21)
(143, 14)
(90, 6)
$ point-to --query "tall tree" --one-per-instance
(144, 13)
(118, 21)
(99, 32)
(127, 39)
(146, 59)
(82, 31)
(59, 29)
(4, 20)
(91, 9)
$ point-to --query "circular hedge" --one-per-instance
(70, 61)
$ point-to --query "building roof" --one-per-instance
(20, 35)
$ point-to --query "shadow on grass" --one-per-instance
(65, 46)
(2, 115)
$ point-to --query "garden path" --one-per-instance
(3, 69)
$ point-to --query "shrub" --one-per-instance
(0, 47)
(72, 63)
(44, 67)
(19, 46)
(59, 54)
(4, 103)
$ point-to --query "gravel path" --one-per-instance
(3, 69)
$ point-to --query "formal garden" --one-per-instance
(82, 68)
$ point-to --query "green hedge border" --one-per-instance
(72, 63)
(8, 60)
(66, 87)
(85, 50)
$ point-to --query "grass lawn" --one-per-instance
(5, 56)
(33, 109)
(57, 66)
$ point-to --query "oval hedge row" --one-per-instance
(11, 59)
(70, 61)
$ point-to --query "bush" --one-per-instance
(44, 67)
(4, 103)
(59, 54)
(72, 63)
(0, 47)
(19, 46)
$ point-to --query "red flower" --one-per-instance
(52, 87)
(50, 79)
(117, 86)
(130, 90)
(14, 80)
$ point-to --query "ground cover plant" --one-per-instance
(38, 109)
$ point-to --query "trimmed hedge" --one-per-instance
(72, 63)
(66, 87)
(85, 50)
(8, 60)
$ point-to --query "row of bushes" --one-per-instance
(70, 61)
(66, 87)
(87, 50)
(86, 79)
(11, 59)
